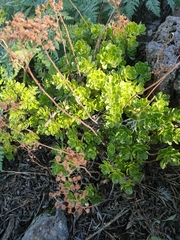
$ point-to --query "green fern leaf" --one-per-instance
(171, 4)
(153, 6)
(88, 8)
(66, 16)
(130, 7)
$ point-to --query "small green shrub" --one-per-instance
(83, 91)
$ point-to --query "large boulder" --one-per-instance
(163, 52)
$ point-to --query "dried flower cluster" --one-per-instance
(9, 104)
(71, 184)
(34, 31)
(56, 6)
(119, 24)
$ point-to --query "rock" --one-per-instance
(162, 53)
(48, 227)
(177, 11)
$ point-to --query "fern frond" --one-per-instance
(88, 8)
(92, 10)
(130, 7)
(66, 15)
(171, 4)
(67, 5)
(153, 6)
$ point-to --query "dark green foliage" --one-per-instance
(89, 9)
(153, 6)
(130, 7)
(93, 10)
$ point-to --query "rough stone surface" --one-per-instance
(163, 52)
(48, 227)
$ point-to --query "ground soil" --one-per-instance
(152, 210)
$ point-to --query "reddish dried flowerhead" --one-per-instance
(32, 32)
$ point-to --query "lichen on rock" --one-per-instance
(162, 53)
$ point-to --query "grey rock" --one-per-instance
(48, 227)
(161, 53)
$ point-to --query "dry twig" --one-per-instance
(108, 224)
